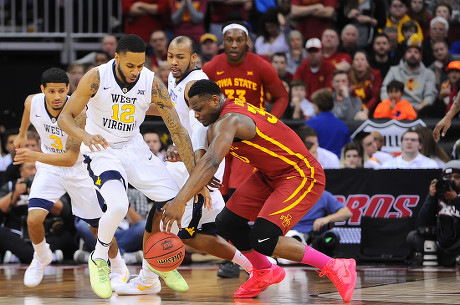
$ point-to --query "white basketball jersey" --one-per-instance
(116, 111)
(53, 138)
(186, 116)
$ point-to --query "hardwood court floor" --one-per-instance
(68, 284)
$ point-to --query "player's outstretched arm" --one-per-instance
(67, 159)
(87, 87)
(443, 125)
(222, 132)
(21, 139)
(179, 135)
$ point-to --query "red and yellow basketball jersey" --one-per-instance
(276, 150)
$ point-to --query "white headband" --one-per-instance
(235, 26)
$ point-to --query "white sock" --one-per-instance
(148, 274)
(114, 194)
(241, 260)
(117, 263)
(42, 249)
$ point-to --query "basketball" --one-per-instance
(164, 251)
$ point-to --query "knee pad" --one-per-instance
(234, 228)
(264, 236)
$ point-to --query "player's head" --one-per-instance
(181, 56)
(55, 86)
(235, 40)
(130, 58)
(206, 99)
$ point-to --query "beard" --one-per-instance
(123, 78)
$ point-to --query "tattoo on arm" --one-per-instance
(160, 95)
(72, 144)
(95, 85)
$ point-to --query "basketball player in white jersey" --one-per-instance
(118, 95)
(56, 174)
(198, 227)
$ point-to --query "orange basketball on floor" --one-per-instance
(164, 251)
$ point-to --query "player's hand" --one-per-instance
(20, 141)
(215, 183)
(172, 211)
(207, 198)
(171, 155)
(319, 223)
(95, 142)
(24, 155)
(441, 128)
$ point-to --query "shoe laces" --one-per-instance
(103, 270)
(327, 270)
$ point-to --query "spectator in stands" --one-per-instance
(187, 17)
(109, 45)
(379, 140)
(163, 72)
(315, 227)
(297, 54)
(367, 16)
(444, 10)
(330, 43)
(408, 29)
(418, 11)
(365, 81)
(75, 73)
(313, 17)
(158, 48)
(438, 218)
(279, 63)
(15, 245)
(394, 107)
(8, 138)
(302, 109)
(430, 148)
(141, 17)
(419, 81)
(33, 143)
(313, 71)
(443, 125)
(397, 16)
(346, 107)
(349, 37)
(129, 234)
(410, 158)
(326, 158)
(442, 58)
(271, 39)
(438, 32)
(449, 88)
(209, 47)
(381, 59)
(153, 139)
(396, 53)
(222, 11)
(333, 134)
(102, 57)
(375, 157)
(352, 156)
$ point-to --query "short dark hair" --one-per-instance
(449, 7)
(54, 75)
(338, 72)
(8, 133)
(380, 35)
(297, 83)
(130, 43)
(183, 38)
(204, 87)
(306, 131)
(280, 54)
(395, 85)
(323, 99)
(409, 24)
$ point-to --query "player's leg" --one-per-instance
(109, 176)
(42, 253)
